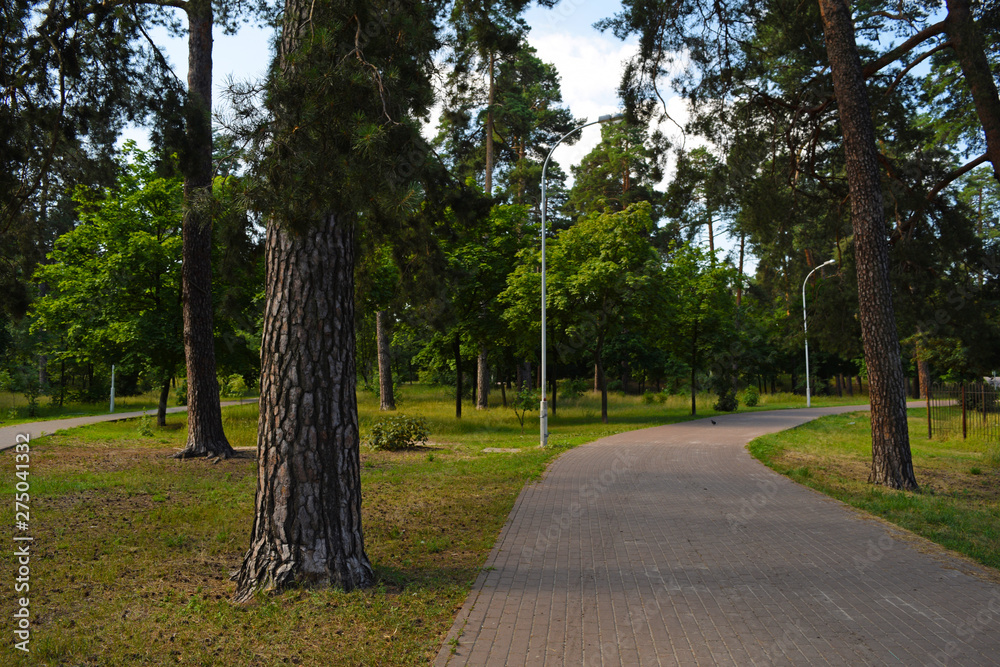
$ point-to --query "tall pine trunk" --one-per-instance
(891, 461)
(307, 524)
(971, 52)
(387, 401)
(204, 415)
(483, 380)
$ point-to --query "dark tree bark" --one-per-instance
(205, 434)
(307, 524)
(457, 349)
(971, 51)
(387, 401)
(161, 408)
(891, 461)
(600, 378)
(483, 380)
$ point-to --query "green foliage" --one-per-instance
(751, 396)
(649, 398)
(525, 400)
(113, 282)
(396, 432)
(181, 392)
(727, 401)
(144, 425)
(573, 388)
(233, 386)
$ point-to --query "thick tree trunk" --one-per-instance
(205, 434)
(387, 401)
(307, 524)
(161, 408)
(482, 380)
(891, 461)
(971, 51)
(457, 350)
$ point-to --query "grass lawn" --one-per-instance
(133, 549)
(958, 505)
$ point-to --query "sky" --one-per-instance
(589, 63)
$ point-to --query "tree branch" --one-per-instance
(905, 47)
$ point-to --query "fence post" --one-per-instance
(927, 391)
(963, 411)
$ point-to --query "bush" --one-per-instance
(575, 388)
(662, 396)
(233, 386)
(648, 398)
(181, 392)
(145, 425)
(751, 397)
(395, 432)
(727, 401)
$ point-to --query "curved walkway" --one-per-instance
(8, 434)
(672, 546)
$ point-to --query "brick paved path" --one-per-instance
(672, 546)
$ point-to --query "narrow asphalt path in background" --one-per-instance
(672, 546)
(8, 434)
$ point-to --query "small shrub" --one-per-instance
(648, 398)
(181, 392)
(751, 397)
(233, 386)
(395, 432)
(569, 389)
(661, 397)
(727, 401)
(145, 425)
(524, 400)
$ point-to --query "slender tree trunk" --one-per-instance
(204, 416)
(602, 382)
(457, 350)
(161, 408)
(739, 273)
(971, 52)
(491, 97)
(387, 401)
(923, 371)
(483, 380)
(307, 524)
(597, 379)
(694, 371)
(503, 393)
(891, 461)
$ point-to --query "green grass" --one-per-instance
(957, 505)
(134, 549)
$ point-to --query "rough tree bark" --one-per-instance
(204, 416)
(891, 461)
(457, 350)
(387, 401)
(971, 51)
(307, 524)
(482, 380)
(161, 407)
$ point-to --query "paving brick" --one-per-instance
(672, 546)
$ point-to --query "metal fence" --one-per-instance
(966, 409)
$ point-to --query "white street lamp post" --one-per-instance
(805, 324)
(543, 408)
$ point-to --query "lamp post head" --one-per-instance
(607, 118)
(829, 262)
